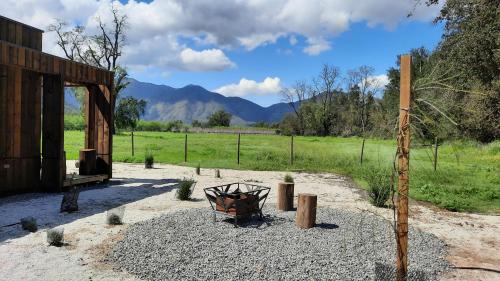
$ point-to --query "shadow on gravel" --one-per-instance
(327, 225)
(93, 200)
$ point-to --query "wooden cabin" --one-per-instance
(32, 157)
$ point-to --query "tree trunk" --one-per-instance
(285, 196)
(306, 210)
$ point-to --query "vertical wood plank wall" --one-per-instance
(31, 82)
(98, 114)
(20, 120)
(20, 34)
(53, 160)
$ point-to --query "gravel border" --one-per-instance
(187, 245)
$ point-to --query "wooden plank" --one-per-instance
(3, 113)
(19, 34)
(53, 162)
(90, 134)
(79, 180)
(403, 168)
(17, 112)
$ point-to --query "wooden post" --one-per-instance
(88, 158)
(239, 138)
(186, 148)
(285, 196)
(435, 153)
(132, 135)
(403, 169)
(291, 150)
(53, 162)
(362, 151)
(306, 210)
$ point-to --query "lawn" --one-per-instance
(467, 177)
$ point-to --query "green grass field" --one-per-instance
(467, 178)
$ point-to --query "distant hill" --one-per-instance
(196, 103)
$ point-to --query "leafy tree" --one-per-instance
(128, 112)
(220, 118)
(196, 124)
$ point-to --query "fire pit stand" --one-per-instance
(232, 201)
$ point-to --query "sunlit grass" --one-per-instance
(467, 178)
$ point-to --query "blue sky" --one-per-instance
(251, 49)
(360, 45)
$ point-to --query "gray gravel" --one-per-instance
(187, 245)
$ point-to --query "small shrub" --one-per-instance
(198, 169)
(217, 173)
(29, 224)
(185, 189)
(379, 186)
(55, 237)
(148, 160)
(115, 216)
(288, 178)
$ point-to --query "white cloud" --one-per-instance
(206, 60)
(157, 29)
(270, 86)
(316, 46)
(380, 81)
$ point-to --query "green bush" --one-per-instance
(148, 159)
(379, 186)
(55, 237)
(288, 178)
(185, 189)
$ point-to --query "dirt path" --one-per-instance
(473, 239)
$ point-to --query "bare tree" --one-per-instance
(295, 96)
(362, 80)
(325, 87)
(102, 50)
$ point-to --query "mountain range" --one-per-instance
(194, 102)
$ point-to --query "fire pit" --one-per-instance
(232, 201)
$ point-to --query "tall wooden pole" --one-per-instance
(435, 153)
(239, 137)
(291, 150)
(403, 168)
(132, 135)
(186, 148)
(362, 151)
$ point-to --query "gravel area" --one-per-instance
(187, 245)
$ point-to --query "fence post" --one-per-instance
(185, 148)
(435, 153)
(132, 135)
(291, 150)
(403, 169)
(239, 137)
(362, 151)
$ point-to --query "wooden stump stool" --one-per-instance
(88, 159)
(285, 196)
(306, 210)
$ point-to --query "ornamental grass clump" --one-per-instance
(288, 178)
(379, 186)
(29, 224)
(186, 187)
(55, 237)
(115, 216)
(148, 160)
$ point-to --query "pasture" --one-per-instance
(467, 177)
